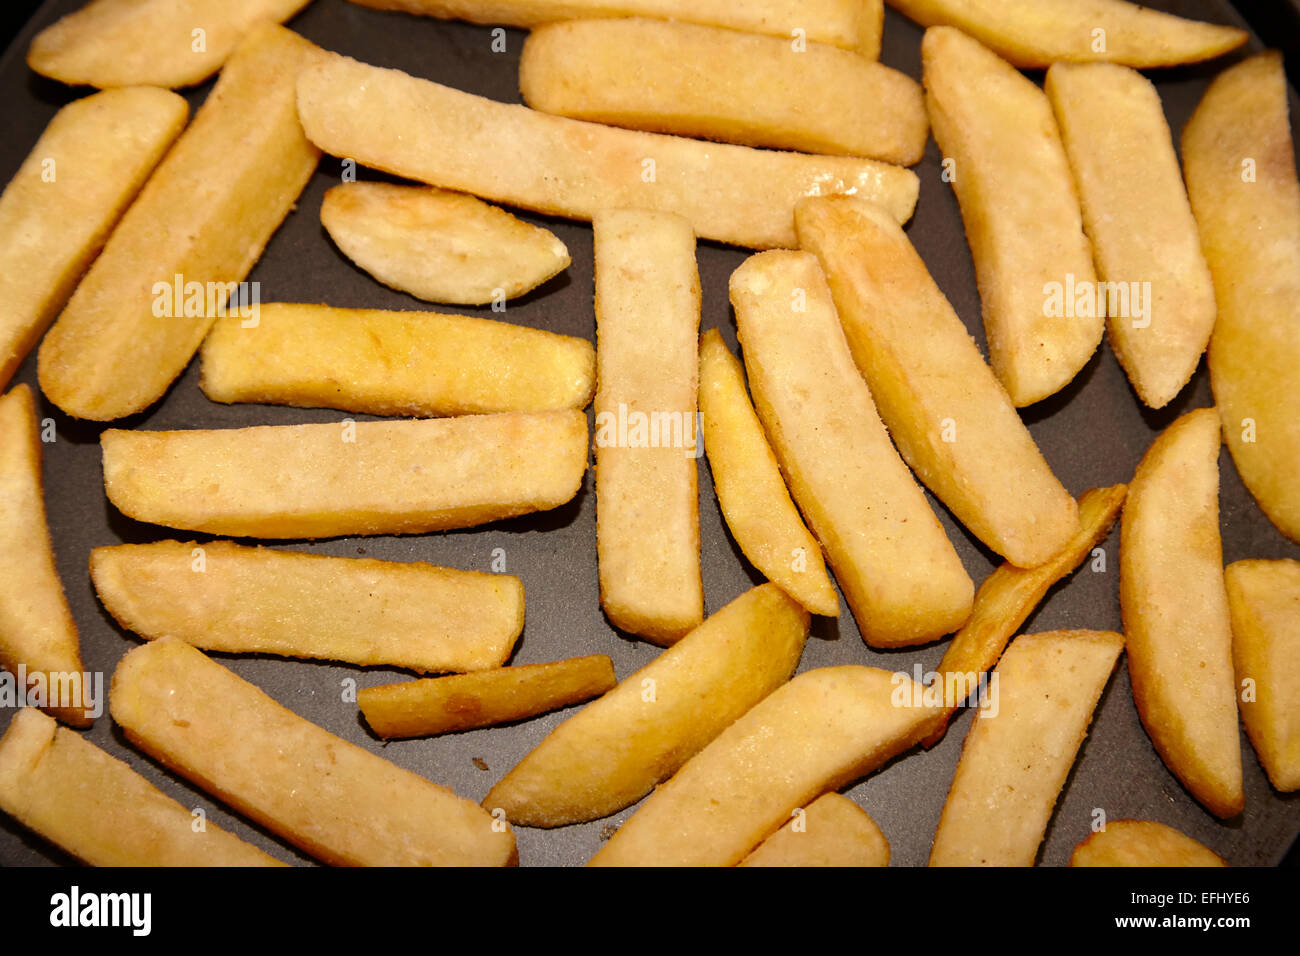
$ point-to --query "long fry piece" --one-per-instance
(1142, 843)
(832, 831)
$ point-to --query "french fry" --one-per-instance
(440, 705)
(647, 371)
(1264, 602)
(833, 831)
(60, 785)
(616, 749)
(1034, 34)
(332, 799)
(511, 154)
(440, 246)
(1016, 758)
(320, 481)
(749, 486)
(1175, 611)
(394, 363)
(1159, 296)
(943, 406)
(239, 600)
(820, 731)
(719, 84)
(59, 208)
(182, 248)
(1241, 176)
(1142, 843)
(1004, 157)
(896, 567)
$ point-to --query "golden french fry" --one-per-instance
(97, 808)
(440, 705)
(1175, 610)
(511, 154)
(394, 363)
(320, 481)
(1004, 157)
(724, 85)
(186, 244)
(1142, 843)
(1017, 755)
(833, 831)
(223, 597)
(896, 567)
(616, 749)
(820, 731)
(1241, 176)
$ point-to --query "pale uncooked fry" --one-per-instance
(749, 486)
(36, 627)
(60, 206)
(440, 705)
(1016, 757)
(824, 729)
(616, 749)
(440, 246)
(394, 363)
(724, 85)
(223, 597)
(1159, 296)
(1009, 595)
(647, 373)
(1175, 611)
(202, 220)
(1021, 213)
(62, 786)
(511, 154)
(1241, 176)
(832, 831)
(896, 567)
(943, 406)
(154, 42)
(320, 481)
(1142, 843)
(332, 799)
(1037, 33)
(1264, 602)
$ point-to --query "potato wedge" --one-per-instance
(647, 373)
(59, 208)
(1142, 843)
(1016, 757)
(439, 705)
(616, 749)
(332, 799)
(833, 831)
(749, 486)
(1175, 611)
(394, 363)
(896, 567)
(1241, 176)
(200, 223)
(1033, 34)
(320, 481)
(1159, 295)
(440, 246)
(511, 154)
(1264, 602)
(224, 597)
(943, 406)
(822, 730)
(1033, 262)
(724, 85)
(60, 785)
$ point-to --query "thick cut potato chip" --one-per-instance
(833, 831)
(1142, 843)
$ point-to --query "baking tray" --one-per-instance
(1092, 433)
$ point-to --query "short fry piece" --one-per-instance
(336, 801)
(440, 705)
(394, 363)
(833, 831)
(97, 808)
(1142, 843)
(1015, 759)
(320, 481)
